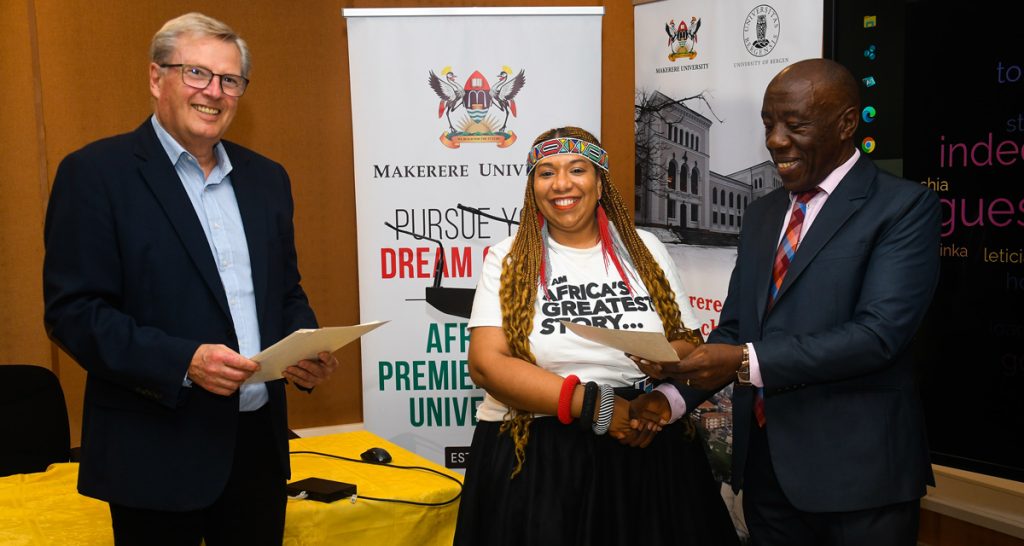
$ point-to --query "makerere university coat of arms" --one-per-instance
(477, 97)
(682, 38)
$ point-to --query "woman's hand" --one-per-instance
(619, 427)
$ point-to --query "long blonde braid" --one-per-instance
(521, 269)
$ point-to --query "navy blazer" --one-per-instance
(132, 290)
(845, 424)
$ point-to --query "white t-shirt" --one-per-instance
(584, 291)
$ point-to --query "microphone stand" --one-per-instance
(453, 301)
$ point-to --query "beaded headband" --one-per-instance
(566, 145)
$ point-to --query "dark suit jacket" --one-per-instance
(132, 290)
(845, 425)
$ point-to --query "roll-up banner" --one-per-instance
(445, 105)
(701, 70)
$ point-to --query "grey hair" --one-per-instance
(165, 41)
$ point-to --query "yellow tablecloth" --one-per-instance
(370, 522)
(45, 507)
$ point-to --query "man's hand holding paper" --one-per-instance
(219, 369)
(309, 373)
(306, 356)
(708, 367)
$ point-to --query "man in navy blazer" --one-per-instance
(170, 258)
(841, 457)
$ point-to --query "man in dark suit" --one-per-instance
(834, 273)
(170, 258)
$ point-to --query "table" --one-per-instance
(45, 507)
(370, 522)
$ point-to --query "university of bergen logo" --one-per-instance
(682, 38)
(477, 97)
(761, 30)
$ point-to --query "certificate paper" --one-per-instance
(653, 346)
(305, 344)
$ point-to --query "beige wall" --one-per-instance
(75, 70)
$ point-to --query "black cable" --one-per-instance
(360, 461)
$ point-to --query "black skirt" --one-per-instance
(579, 488)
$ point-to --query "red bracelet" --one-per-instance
(565, 399)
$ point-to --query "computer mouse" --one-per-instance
(376, 455)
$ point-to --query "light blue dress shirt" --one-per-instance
(215, 204)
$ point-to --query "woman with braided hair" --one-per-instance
(571, 446)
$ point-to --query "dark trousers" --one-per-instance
(250, 510)
(773, 521)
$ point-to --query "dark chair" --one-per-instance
(33, 420)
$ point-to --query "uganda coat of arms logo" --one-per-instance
(487, 108)
(682, 39)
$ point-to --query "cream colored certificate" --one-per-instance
(305, 344)
(653, 346)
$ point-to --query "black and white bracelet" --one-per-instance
(604, 414)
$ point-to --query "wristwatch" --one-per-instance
(743, 372)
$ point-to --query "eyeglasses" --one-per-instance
(200, 78)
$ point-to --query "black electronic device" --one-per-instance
(321, 490)
(376, 455)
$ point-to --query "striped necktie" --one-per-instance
(783, 257)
